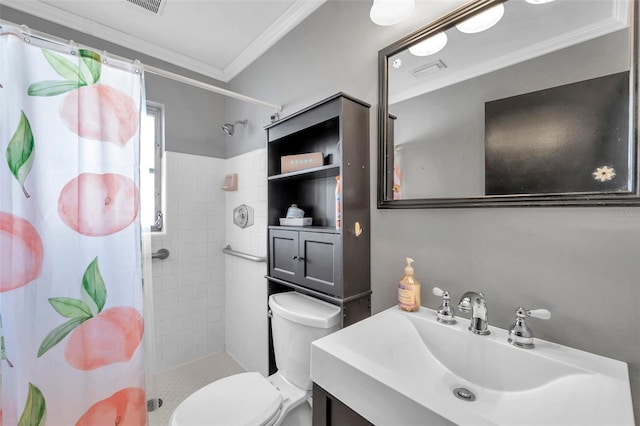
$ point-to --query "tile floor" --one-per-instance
(175, 385)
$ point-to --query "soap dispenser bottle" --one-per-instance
(409, 290)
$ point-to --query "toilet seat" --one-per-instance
(242, 399)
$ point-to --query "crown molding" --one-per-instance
(295, 14)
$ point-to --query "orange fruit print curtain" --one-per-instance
(70, 247)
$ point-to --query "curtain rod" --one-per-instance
(26, 31)
(197, 83)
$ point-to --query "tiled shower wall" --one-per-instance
(188, 287)
(245, 285)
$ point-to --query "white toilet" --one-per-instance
(249, 398)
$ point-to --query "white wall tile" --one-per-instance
(206, 301)
(245, 299)
(185, 282)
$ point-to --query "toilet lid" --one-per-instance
(242, 399)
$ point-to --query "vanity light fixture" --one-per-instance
(482, 21)
(432, 45)
(390, 12)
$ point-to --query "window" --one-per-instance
(151, 147)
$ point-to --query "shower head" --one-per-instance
(230, 128)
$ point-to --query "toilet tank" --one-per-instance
(297, 321)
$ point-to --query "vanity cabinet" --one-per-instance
(320, 260)
(330, 411)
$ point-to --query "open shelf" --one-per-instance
(316, 172)
(326, 229)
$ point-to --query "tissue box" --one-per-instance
(293, 163)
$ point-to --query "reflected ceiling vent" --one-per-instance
(154, 6)
(428, 69)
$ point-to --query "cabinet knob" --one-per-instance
(294, 257)
(357, 229)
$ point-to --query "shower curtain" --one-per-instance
(70, 240)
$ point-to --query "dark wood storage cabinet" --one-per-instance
(328, 263)
(310, 259)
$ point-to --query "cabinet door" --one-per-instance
(283, 250)
(321, 262)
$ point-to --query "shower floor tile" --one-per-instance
(173, 386)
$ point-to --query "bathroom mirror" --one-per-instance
(540, 109)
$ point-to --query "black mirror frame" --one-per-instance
(385, 144)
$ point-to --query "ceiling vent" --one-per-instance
(425, 70)
(154, 6)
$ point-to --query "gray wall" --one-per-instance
(580, 263)
(193, 116)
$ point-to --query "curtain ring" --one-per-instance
(74, 47)
(26, 31)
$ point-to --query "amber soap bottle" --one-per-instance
(409, 290)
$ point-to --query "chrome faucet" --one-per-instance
(520, 334)
(475, 303)
(445, 312)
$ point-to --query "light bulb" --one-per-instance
(432, 45)
(482, 21)
(390, 12)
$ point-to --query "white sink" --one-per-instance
(401, 368)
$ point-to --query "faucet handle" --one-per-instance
(544, 314)
(520, 334)
(445, 311)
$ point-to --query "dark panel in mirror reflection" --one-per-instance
(432, 146)
(571, 138)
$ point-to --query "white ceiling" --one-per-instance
(216, 38)
(526, 31)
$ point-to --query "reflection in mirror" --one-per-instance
(534, 110)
